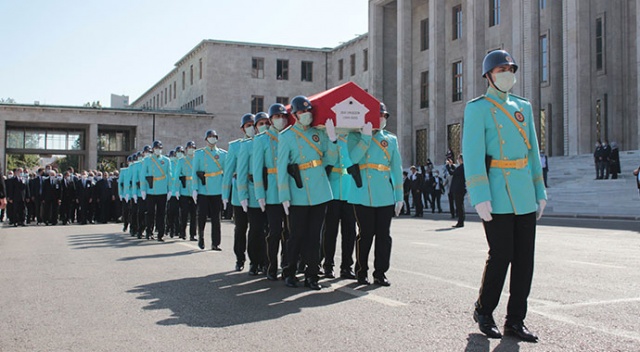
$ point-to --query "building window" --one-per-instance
(543, 4)
(599, 43)
(257, 67)
(200, 64)
(174, 89)
(457, 81)
(365, 60)
(424, 90)
(307, 71)
(183, 79)
(457, 22)
(424, 34)
(257, 104)
(113, 141)
(282, 68)
(170, 91)
(494, 12)
(454, 138)
(352, 61)
(191, 74)
(544, 59)
(421, 147)
(165, 95)
(282, 100)
(340, 69)
(25, 138)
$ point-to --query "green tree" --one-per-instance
(25, 161)
(7, 101)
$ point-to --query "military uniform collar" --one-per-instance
(496, 94)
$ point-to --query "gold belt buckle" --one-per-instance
(315, 163)
(380, 167)
(520, 163)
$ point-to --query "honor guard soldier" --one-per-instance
(376, 195)
(124, 192)
(304, 189)
(339, 213)
(246, 193)
(230, 186)
(265, 182)
(173, 206)
(134, 171)
(185, 184)
(505, 184)
(155, 188)
(207, 189)
(142, 202)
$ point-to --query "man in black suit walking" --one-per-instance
(459, 189)
(416, 190)
(406, 187)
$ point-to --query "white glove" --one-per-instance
(263, 204)
(245, 205)
(367, 129)
(331, 130)
(120, 197)
(541, 205)
(168, 195)
(135, 198)
(484, 210)
(194, 195)
(399, 206)
(224, 204)
(126, 198)
(177, 195)
(286, 206)
(144, 195)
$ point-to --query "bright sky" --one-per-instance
(70, 52)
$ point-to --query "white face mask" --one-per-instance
(383, 123)
(504, 81)
(212, 140)
(263, 128)
(191, 151)
(157, 151)
(280, 123)
(249, 131)
(180, 155)
(306, 118)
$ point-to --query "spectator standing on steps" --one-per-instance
(544, 161)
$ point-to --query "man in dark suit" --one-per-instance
(436, 189)
(52, 195)
(459, 189)
(406, 187)
(35, 191)
(68, 199)
(17, 195)
(84, 191)
(416, 190)
(3, 196)
(103, 197)
(9, 206)
(116, 209)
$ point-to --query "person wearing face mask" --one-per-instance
(136, 226)
(124, 192)
(173, 204)
(304, 189)
(505, 185)
(207, 176)
(143, 203)
(437, 189)
(52, 193)
(184, 185)
(68, 198)
(246, 193)
(156, 189)
(230, 189)
(378, 198)
(265, 183)
(17, 194)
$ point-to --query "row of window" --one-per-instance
(170, 92)
(193, 103)
(352, 64)
(282, 69)
(257, 103)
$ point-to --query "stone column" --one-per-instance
(636, 145)
(91, 154)
(438, 76)
(376, 26)
(3, 149)
(405, 86)
(570, 71)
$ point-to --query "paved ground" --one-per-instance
(93, 288)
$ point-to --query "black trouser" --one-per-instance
(545, 171)
(126, 211)
(459, 199)
(209, 206)
(426, 194)
(51, 211)
(187, 211)
(417, 202)
(256, 246)
(407, 206)
(511, 240)
(278, 233)
(66, 208)
(10, 213)
(18, 211)
(156, 205)
(133, 218)
(305, 224)
(173, 216)
(452, 208)
(373, 222)
(142, 215)
(436, 194)
(84, 211)
(339, 212)
(104, 208)
(31, 211)
(241, 222)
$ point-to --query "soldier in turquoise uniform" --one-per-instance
(378, 196)
(173, 206)
(339, 213)
(505, 184)
(246, 194)
(230, 188)
(265, 182)
(304, 189)
(155, 188)
(124, 191)
(140, 213)
(207, 190)
(185, 184)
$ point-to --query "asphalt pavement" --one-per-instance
(95, 288)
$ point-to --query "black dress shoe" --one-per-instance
(458, 225)
(201, 243)
(160, 239)
(290, 281)
(347, 274)
(328, 273)
(272, 277)
(239, 266)
(312, 284)
(382, 281)
(520, 331)
(253, 270)
(487, 325)
(216, 248)
(363, 280)
(193, 239)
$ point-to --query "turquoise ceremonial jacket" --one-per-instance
(244, 182)
(300, 146)
(124, 181)
(159, 167)
(231, 171)
(380, 188)
(134, 176)
(265, 154)
(173, 187)
(211, 161)
(488, 131)
(185, 168)
(339, 179)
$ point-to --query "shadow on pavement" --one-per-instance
(102, 240)
(163, 255)
(480, 343)
(231, 298)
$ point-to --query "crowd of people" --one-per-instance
(606, 159)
